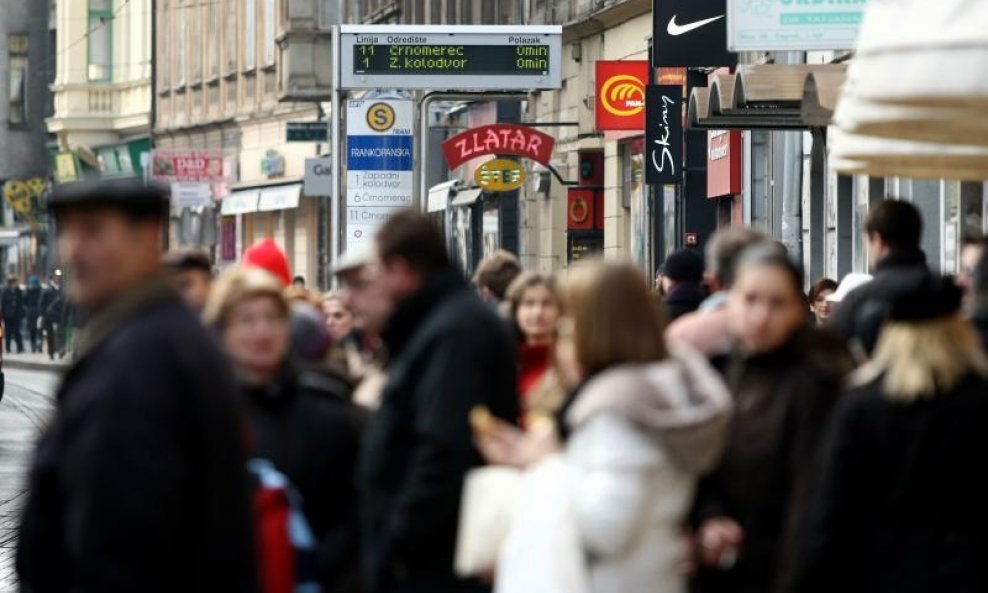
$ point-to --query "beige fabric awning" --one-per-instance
(769, 96)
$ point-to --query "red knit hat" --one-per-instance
(266, 254)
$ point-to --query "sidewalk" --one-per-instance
(36, 362)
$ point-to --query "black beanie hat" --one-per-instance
(926, 297)
(684, 265)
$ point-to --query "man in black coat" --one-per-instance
(893, 231)
(32, 312)
(13, 315)
(682, 275)
(448, 353)
(138, 483)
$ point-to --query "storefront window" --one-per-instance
(17, 46)
(100, 37)
(635, 197)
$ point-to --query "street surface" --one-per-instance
(26, 405)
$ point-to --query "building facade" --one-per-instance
(220, 76)
(102, 89)
(25, 72)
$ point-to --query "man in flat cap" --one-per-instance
(138, 483)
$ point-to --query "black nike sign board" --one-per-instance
(664, 134)
(690, 33)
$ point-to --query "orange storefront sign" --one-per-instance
(621, 95)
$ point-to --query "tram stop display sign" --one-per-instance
(468, 57)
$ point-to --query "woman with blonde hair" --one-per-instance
(901, 507)
(306, 428)
(642, 424)
(533, 303)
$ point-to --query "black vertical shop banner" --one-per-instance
(690, 33)
(664, 134)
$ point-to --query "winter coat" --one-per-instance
(12, 302)
(533, 362)
(305, 424)
(901, 507)
(860, 316)
(139, 482)
(32, 303)
(782, 403)
(640, 437)
(449, 352)
(979, 320)
(684, 298)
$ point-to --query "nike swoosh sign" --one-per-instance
(676, 30)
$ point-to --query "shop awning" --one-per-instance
(439, 195)
(282, 197)
(240, 202)
(769, 96)
(466, 197)
(915, 96)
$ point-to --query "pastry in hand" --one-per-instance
(481, 420)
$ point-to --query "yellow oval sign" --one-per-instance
(500, 175)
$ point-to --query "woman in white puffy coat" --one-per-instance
(609, 485)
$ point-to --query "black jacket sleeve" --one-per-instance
(455, 378)
(831, 554)
(127, 480)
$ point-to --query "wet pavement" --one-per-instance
(24, 409)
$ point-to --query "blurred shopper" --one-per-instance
(366, 297)
(305, 426)
(448, 352)
(339, 317)
(267, 255)
(32, 312)
(979, 302)
(901, 507)
(138, 483)
(820, 305)
(972, 249)
(534, 305)
(785, 380)
(682, 275)
(192, 275)
(12, 304)
(494, 275)
(640, 428)
(893, 230)
(707, 329)
(298, 281)
(52, 316)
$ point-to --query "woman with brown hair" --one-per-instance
(785, 379)
(534, 307)
(901, 507)
(303, 425)
(639, 428)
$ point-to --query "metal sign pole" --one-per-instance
(336, 221)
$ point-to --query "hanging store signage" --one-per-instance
(621, 95)
(450, 57)
(664, 134)
(187, 165)
(500, 175)
(499, 139)
(723, 163)
(191, 194)
(318, 177)
(307, 131)
(66, 167)
(691, 33)
(783, 25)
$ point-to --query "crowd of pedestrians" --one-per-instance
(38, 313)
(720, 431)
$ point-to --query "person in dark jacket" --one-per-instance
(32, 311)
(901, 505)
(448, 353)
(138, 483)
(785, 379)
(55, 315)
(12, 304)
(682, 277)
(301, 419)
(893, 230)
